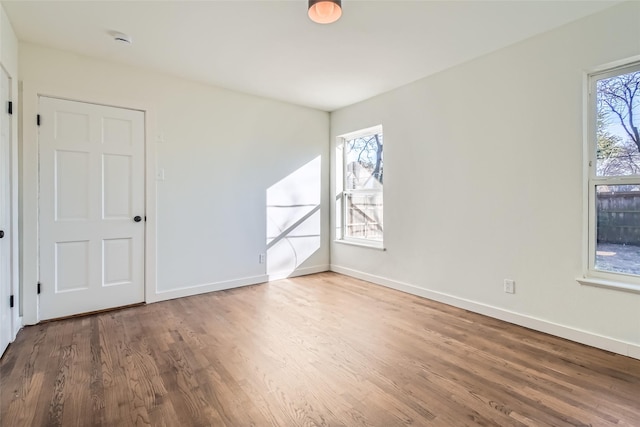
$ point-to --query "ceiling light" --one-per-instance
(325, 11)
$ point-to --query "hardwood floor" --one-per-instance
(321, 350)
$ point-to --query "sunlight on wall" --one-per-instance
(293, 219)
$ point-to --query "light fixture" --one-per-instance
(325, 11)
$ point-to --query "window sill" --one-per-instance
(378, 246)
(609, 284)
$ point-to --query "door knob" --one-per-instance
(1, 234)
(137, 218)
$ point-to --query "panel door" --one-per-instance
(91, 207)
(6, 283)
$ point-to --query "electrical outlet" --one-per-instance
(262, 258)
(510, 286)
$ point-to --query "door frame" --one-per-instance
(12, 232)
(31, 93)
(114, 227)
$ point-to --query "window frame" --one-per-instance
(591, 275)
(341, 194)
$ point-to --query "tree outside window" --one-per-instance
(615, 176)
(363, 174)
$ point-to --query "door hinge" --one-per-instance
(38, 119)
(11, 301)
(10, 107)
(38, 288)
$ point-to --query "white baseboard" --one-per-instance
(298, 272)
(16, 328)
(634, 351)
(206, 287)
(562, 331)
(230, 284)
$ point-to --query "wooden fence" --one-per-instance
(619, 218)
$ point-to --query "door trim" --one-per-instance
(11, 230)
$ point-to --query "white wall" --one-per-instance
(484, 181)
(9, 61)
(220, 151)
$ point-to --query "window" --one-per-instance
(614, 176)
(361, 176)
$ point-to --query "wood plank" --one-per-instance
(317, 350)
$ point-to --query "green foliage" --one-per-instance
(608, 143)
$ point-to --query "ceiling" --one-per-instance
(270, 48)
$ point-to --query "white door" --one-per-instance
(6, 323)
(91, 207)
